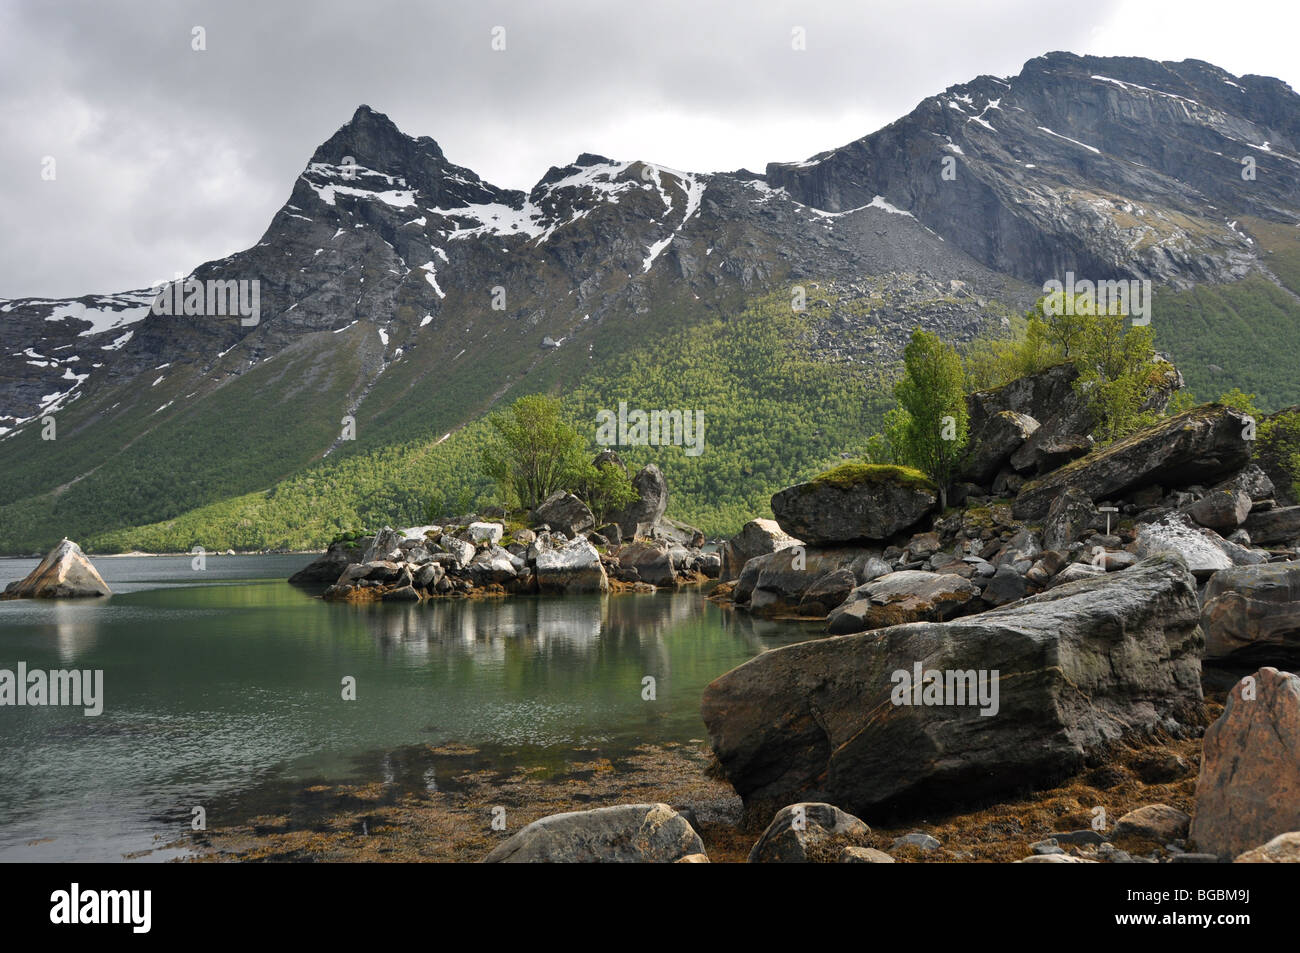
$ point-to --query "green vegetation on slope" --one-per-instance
(772, 417)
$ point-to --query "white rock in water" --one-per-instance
(65, 573)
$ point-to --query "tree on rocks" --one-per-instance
(928, 429)
(535, 453)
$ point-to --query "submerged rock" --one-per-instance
(1075, 670)
(64, 573)
(625, 834)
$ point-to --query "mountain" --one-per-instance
(403, 291)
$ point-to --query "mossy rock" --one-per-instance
(848, 475)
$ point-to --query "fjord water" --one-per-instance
(220, 681)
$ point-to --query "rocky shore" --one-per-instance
(558, 551)
(1045, 640)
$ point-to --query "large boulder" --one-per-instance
(1223, 508)
(64, 573)
(1064, 676)
(992, 445)
(1252, 614)
(571, 568)
(625, 834)
(786, 575)
(489, 533)
(855, 501)
(1048, 397)
(1176, 533)
(1282, 849)
(648, 508)
(1269, 527)
(800, 828)
(1248, 791)
(1203, 444)
(653, 559)
(758, 537)
(327, 567)
(494, 566)
(566, 513)
(385, 546)
(909, 595)
(1069, 519)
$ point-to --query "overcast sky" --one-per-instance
(166, 157)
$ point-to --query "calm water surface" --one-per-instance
(220, 681)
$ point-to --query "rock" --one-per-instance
(1282, 849)
(1006, 586)
(1080, 667)
(489, 533)
(798, 828)
(494, 566)
(905, 596)
(1048, 397)
(612, 533)
(327, 567)
(1157, 822)
(460, 550)
(1248, 790)
(1069, 518)
(1176, 533)
(991, 447)
(1223, 509)
(649, 506)
(627, 833)
(572, 568)
(788, 573)
(609, 458)
(855, 502)
(758, 537)
(428, 576)
(1057, 859)
(918, 839)
(401, 594)
(1252, 614)
(1202, 444)
(566, 513)
(1270, 527)
(1161, 768)
(385, 547)
(1050, 452)
(652, 561)
(864, 855)
(64, 573)
(711, 565)
(693, 859)
(827, 592)
(1256, 483)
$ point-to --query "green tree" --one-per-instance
(1117, 367)
(605, 489)
(929, 428)
(535, 451)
